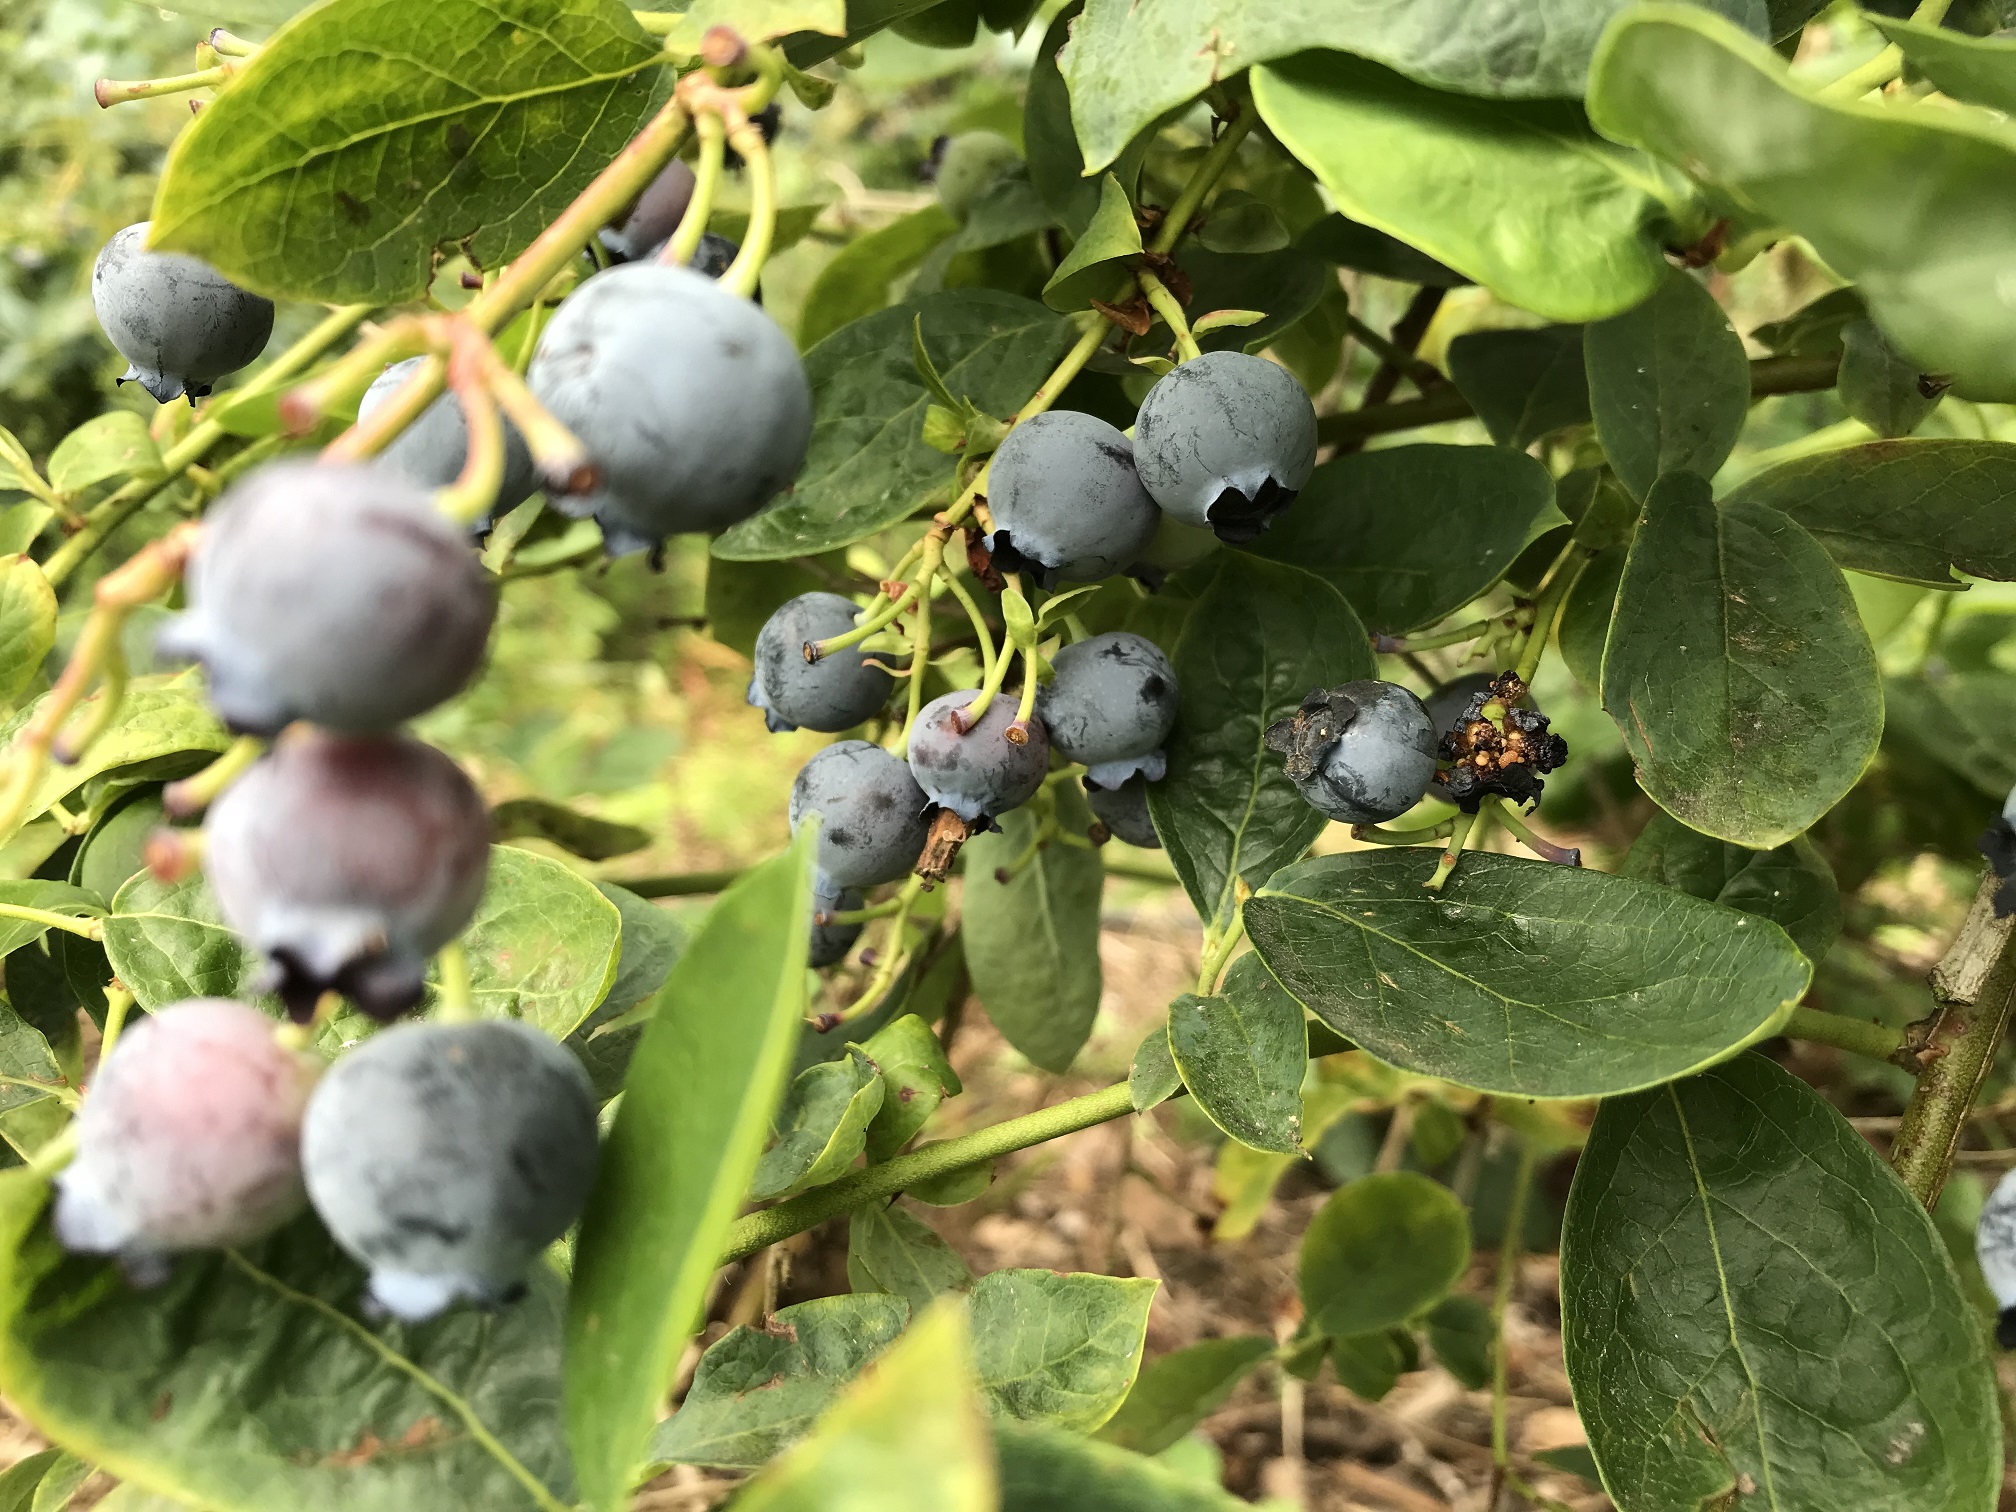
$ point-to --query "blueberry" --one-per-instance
(1363, 753)
(1065, 500)
(433, 448)
(1111, 705)
(653, 216)
(834, 693)
(447, 1157)
(179, 322)
(981, 773)
(872, 814)
(1226, 441)
(336, 593)
(1124, 811)
(1995, 1248)
(689, 398)
(831, 942)
(190, 1139)
(346, 861)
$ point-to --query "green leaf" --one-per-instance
(17, 469)
(889, 1249)
(741, 596)
(869, 465)
(1978, 69)
(1242, 1053)
(917, 1078)
(1814, 329)
(1911, 510)
(248, 1381)
(49, 897)
(1032, 943)
(1152, 1077)
(1669, 386)
(1368, 1365)
(1177, 1391)
(1523, 384)
(1380, 1250)
(1585, 621)
(651, 940)
(1881, 387)
(1060, 1349)
(1792, 886)
(1528, 200)
(1284, 286)
(858, 281)
(1965, 722)
(699, 1096)
(1460, 1332)
(25, 1054)
(577, 833)
(756, 20)
(1750, 1297)
(1049, 1470)
(113, 445)
(1240, 223)
(1341, 240)
(1260, 637)
(114, 849)
(60, 1482)
(1093, 267)
(1615, 985)
(1904, 203)
(543, 945)
(758, 1390)
(458, 124)
(821, 1128)
(167, 941)
(1469, 512)
(18, 1483)
(1737, 668)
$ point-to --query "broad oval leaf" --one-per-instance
(1585, 619)
(113, 445)
(167, 941)
(1060, 1349)
(576, 833)
(543, 945)
(1979, 69)
(1256, 642)
(1524, 384)
(1792, 886)
(1460, 1331)
(27, 623)
(856, 283)
(821, 1127)
(1097, 263)
(1751, 1299)
(1965, 723)
(1410, 533)
(1177, 1391)
(1379, 1251)
(917, 1078)
(1523, 977)
(1242, 1053)
(650, 942)
(455, 124)
(890, 1249)
(1152, 1077)
(1737, 668)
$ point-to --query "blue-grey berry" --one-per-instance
(1995, 1248)
(1110, 706)
(1065, 501)
(834, 693)
(871, 810)
(689, 399)
(1362, 753)
(179, 322)
(433, 448)
(336, 593)
(831, 942)
(653, 216)
(447, 1157)
(1226, 441)
(980, 773)
(1124, 811)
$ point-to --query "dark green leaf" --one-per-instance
(1615, 984)
(742, 595)
(1048, 1470)
(889, 1249)
(1978, 69)
(1341, 240)
(652, 938)
(1284, 285)
(1964, 723)
(1239, 223)
(1257, 641)
(1750, 1298)
(1737, 668)
(1379, 1251)
(858, 281)
(1313, 347)
(299, 181)
(1814, 329)
(114, 850)
(1368, 1365)
(1585, 622)
(1523, 384)
(112, 445)
(1177, 1391)
(1059, 1349)
(1056, 169)
(1574, 1459)
(1152, 1077)
(1460, 1332)
(1879, 386)
(917, 1078)
(1468, 512)
(1792, 886)
(1242, 1053)
(577, 833)
(821, 1127)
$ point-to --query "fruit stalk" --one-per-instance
(744, 272)
(684, 242)
(1863, 1037)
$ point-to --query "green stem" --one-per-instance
(1931, 12)
(1378, 834)
(1547, 612)
(1165, 304)
(1874, 74)
(1137, 871)
(54, 1154)
(1395, 645)
(1864, 1037)
(981, 633)
(86, 929)
(110, 92)
(745, 273)
(1501, 1301)
(1208, 172)
(1217, 951)
(685, 240)
(457, 1001)
(118, 1003)
(882, 1182)
(1561, 855)
(680, 884)
(64, 1095)
(1459, 837)
(1422, 372)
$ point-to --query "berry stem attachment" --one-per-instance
(685, 241)
(457, 1002)
(1170, 309)
(895, 956)
(1374, 834)
(873, 618)
(1031, 662)
(110, 92)
(981, 633)
(194, 794)
(1464, 828)
(228, 45)
(1399, 645)
(473, 494)
(1546, 850)
(84, 929)
(118, 1003)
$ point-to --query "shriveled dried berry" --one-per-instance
(1497, 748)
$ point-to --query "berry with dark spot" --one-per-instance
(834, 693)
(1124, 811)
(432, 450)
(871, 812)
(179, 322)
(1498, 748)
(1066, 504)
(831, 942)
(1110, 706)
(447, 1157)
(1362, 753)
(346, 861)
(1226, 441)
(976, 773)
(190, 1139)
(336, 593)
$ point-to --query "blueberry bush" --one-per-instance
(1507, 508)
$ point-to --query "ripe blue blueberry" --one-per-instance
(433, 448)
(690, 400)
(1124, 811)
(190, 1139)
(1110, 706)
(1995, 1247)
(179, 322)
(336, 593)
(1065, 501)
(1226, 441)
(834, 693)
(871, 812)
(653, 216)
(346, 861)
(1362, 753)
(447, 1157)
(980, 773)
(831, 942)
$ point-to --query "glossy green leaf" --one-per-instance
(1032, 943)
(27, 624)
(1046, 1469)
(869, 465)
(113, 445)
(1792, 886)
(20, 1481)
(1283, 286)
(1669, 385)
(758, 1390)
(1459, 1331)
(1152, 1077)
(1260, 637)
(249, 1380)
(699, 1096)
(28, 1115)
(1585, 620)
(48, 897)
(1468, 512)
(461, 123)
(543, 945)
(1094, 266)
(917, 1078)
(1379, 1251)
(1964, 722)
(1737, 668)
(1977, 69)
(821, 1127)
(858, 281)
(1242, 1053)
(890, 1249)
(1881, 387)
(1524, 384)
(577, 833)
(167, 941)
(1061, 1349)
(1751, 1299)
(1177, 1391)
(1526, 199)
(1616, 984)
(651, 940)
